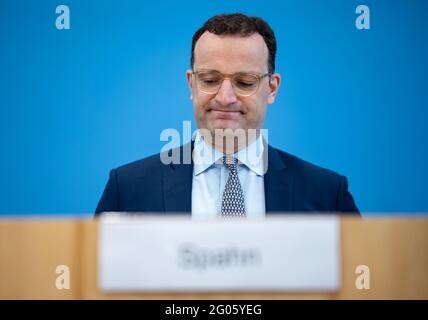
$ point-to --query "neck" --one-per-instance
(230, 141)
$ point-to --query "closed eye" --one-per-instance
(244, 84)
(210, 81)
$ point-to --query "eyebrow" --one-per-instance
(213, 70)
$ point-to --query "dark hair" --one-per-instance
(239, 24)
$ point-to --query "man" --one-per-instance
(232, 81)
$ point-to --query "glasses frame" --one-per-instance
(230, 76)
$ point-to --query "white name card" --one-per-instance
(280, 253)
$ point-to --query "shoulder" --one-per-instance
(315, 188)
(305, 169)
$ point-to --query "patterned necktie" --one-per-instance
(232, 204)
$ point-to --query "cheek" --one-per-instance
(200, 104)
(255, 112)
(253, 106)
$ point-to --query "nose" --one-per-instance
(226, 95)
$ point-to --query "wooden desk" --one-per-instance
(395, 250)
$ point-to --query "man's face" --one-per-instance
(229, 55)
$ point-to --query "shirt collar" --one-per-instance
(204, 155)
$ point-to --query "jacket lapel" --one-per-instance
(177, 184)
(278, 184)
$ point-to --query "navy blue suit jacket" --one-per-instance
(291, 185)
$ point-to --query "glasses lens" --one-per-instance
(245, 84)
(209, 82)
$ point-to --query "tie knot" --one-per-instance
(230, 162)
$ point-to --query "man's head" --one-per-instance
(232, 78)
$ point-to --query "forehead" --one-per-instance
(231, 53)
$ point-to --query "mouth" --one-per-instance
(225, 114)
(223, 110)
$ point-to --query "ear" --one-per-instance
(189, 78)
(274, 83)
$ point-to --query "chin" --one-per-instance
(224, 124)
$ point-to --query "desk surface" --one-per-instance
(395, 250)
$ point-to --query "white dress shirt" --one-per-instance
(210, 176)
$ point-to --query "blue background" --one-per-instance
(76, 103)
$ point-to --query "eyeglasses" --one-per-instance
(244, 84)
